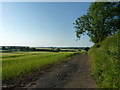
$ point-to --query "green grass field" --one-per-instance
(105, 60)
(21, 63)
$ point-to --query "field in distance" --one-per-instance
(21, 63)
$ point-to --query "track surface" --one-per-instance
(74, 73)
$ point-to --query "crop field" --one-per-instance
(21, 63)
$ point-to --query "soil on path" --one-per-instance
(74, 73)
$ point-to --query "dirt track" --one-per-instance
(74, 73)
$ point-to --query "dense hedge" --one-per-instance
(105, 59)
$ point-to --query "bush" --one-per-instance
(97, 45)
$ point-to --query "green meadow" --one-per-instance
(21, 63)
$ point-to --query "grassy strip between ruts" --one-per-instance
(105, 61)
(18, 64)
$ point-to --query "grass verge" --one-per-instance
(105, 61)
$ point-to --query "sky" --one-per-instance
(42, 24)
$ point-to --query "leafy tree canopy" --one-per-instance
(101, 21)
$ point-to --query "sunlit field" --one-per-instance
(21, 63)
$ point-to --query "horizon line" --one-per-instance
(39, 46)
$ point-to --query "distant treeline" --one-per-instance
(65, 47)
(23, 48)
(46, 49)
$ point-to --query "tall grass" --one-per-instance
(19, 64)
(105, 58)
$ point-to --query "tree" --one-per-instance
(33, 49)
(58, 49)
(101, 21)
(87, 48)
(4, 48)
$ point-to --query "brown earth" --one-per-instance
(73, 73)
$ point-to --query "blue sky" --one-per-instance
(42, 24)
